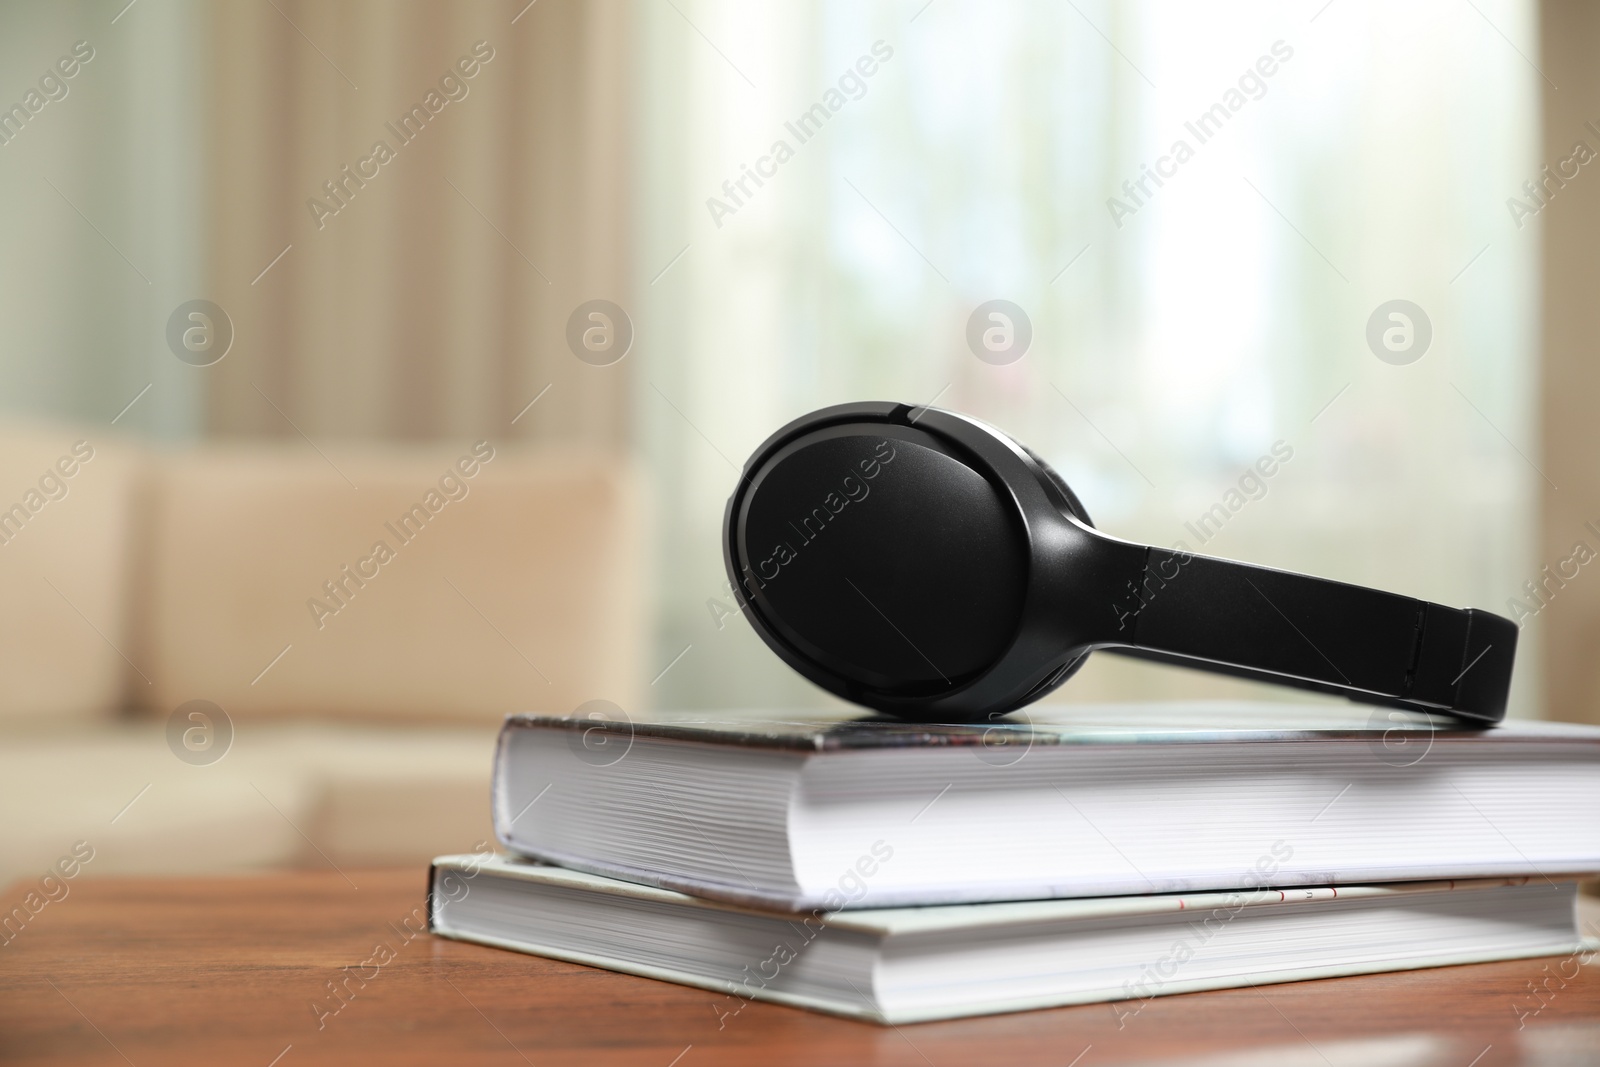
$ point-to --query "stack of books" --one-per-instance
(901, 872)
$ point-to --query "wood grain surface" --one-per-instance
(152, 971)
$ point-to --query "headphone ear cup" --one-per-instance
(1068, 498)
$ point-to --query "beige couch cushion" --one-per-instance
(66, 495)
(284, 795)
(422, 583)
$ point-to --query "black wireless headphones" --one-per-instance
(925, 565)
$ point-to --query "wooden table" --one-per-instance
(226, 971)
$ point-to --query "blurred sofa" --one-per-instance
(237, 657)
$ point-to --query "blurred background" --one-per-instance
(512, 289)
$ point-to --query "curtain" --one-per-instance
(420, 290)
(101, 170)
(1568, 604)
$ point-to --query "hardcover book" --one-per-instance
(902, 965)
(1058, 801)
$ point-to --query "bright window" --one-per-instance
(1334, 158)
